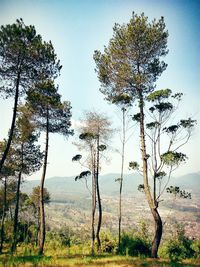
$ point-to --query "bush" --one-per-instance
(134, 246)
(178, 246)
(196, 248)
(108, 242)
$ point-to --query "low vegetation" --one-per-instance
(66, 247)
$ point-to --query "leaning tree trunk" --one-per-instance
(5, 153)
(14, 243)
(151, 202)
(99, 200)
(42, 213)
(3, 215)
(121, 181)
(158, 233)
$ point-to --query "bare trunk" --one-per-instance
(14, 243)
(158, 233)
(150, 200)
(93, 212)
(42, 213)
(38, 223)
(5, 153)
(3, 215)
(93, 202)
(99, 201)
(121, 180)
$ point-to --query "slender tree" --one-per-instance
(124, 103)
(131, 64)
(95, 132)
(163, 159)
(4, 208)
(24, 60)
(88, 144)
(28, 157)
(51, 116)
(35, 201)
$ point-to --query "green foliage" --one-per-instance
(178, 246)
(122, 100)
(24, 56)
(134, 165)
(188, 124)
(35, 195)
(65, 236)
(136, 117)
(152, 125)
(45, 101)
(83, 174)
(159, 95)
(77, 157)
(87, 136)
(56, 240)
(102, 147)
(134, 246)
(171, 129)
(160, 175)
(27, 154)
(108, 242)
(136, 243)
(175, 190)
(196, 248)
(172, 158)
(25, 232)
(132, 60)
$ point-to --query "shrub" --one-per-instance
(196, 248)
(134, 246)
(178, 246)
(108, 242)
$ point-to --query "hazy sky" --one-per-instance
(77, 28)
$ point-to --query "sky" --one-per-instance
(77, 28)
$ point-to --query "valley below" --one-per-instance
(70, 205)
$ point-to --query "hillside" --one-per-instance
(63, 188)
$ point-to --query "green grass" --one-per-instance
(81, 260)
(78, 255)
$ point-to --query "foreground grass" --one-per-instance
(79, 260)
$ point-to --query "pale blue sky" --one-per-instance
(77, 28)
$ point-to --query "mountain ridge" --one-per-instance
(64, 186)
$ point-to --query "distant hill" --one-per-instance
(62, 188)
(190, 181)
(65, 187)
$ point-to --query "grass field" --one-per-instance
(79, 260)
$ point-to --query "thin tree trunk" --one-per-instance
(99, 200)
(93, 209)
(3, 215)
(152, 204)
(38, 222)
(121, 179)
(14, 243)
(42, 213)
(5, 153)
